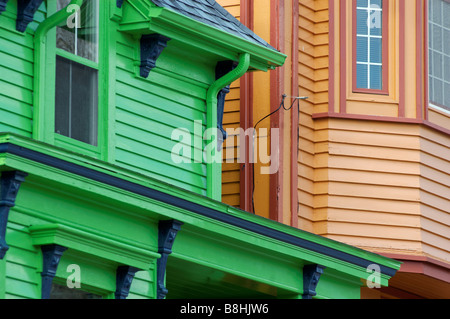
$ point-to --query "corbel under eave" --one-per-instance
(311, 277)
(25, 13)
(3, 4)
(10, 182)
(167, 231)
(152, 45)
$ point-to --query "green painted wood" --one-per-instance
(16, 72)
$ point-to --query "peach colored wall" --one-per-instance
(231, 171)
(369, 176)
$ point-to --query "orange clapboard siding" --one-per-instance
(382, 185)
(231, 171)
(313, 82)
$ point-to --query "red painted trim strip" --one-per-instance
(422, 265)
(420, 59)
(343, 57)
(382, 119)
(294, 115)
(276, 90)
(402, 88)
(365, 117)
(331, 66)
(246, 118)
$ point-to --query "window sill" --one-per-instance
(77, 146)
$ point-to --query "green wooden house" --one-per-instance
(92, 203)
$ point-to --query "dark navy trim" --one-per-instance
(9, 187)
(187, 205)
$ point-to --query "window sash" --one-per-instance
(439, 53)
(370, 46)
(87, 114)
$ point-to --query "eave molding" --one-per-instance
(78, 240)
(138, 18)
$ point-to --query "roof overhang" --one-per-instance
(143, 17)
(274, 240)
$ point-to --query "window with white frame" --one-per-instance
(439, 52)
(369, 45)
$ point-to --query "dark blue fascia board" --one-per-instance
(104, 178)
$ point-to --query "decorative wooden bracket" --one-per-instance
(152, 46)
(25, 13)
(167, 231)
(222, 68)
(119, 3)
(311, 276)
(51, 257)
(9, 187)
(3, 4)
(124, 278)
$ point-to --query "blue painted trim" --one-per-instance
(152, 45)
(51, 256)
(167, 231)
(311, 277)
(3, 4)
(10, 182)
(124, 279)
(25, 13)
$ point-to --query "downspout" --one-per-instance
(213, 155)
(40, 41)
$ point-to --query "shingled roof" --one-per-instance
(213, 14)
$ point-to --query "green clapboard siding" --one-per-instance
(16, 71)
(143, 286)
(22, 279)
(149, 110)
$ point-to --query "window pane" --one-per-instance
(437, 38)
(377, 3)
(446, 41)
(447, 95)
(447, 68)
(361, 49)
(362, 3)
(362, 19)
(446, 14)
(63, 292)
(376, 77)
(76, 110)
(80, 35)
(438, 92)
(376, 22)
(437, 64)
(436, 11)
(376, 51)
(362, 76)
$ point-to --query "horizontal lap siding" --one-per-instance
(149, 110)
(231, 171)
(313, 82)
(16, 72)
(22, 279)
(435, 194)
(368, 185)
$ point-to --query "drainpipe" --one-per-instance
(40, 57)
(213, 155)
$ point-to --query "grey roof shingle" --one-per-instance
(213, 14)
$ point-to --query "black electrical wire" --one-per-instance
(282, 105)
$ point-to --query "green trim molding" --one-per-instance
(207, 223)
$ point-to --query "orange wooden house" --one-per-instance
(365, 159)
